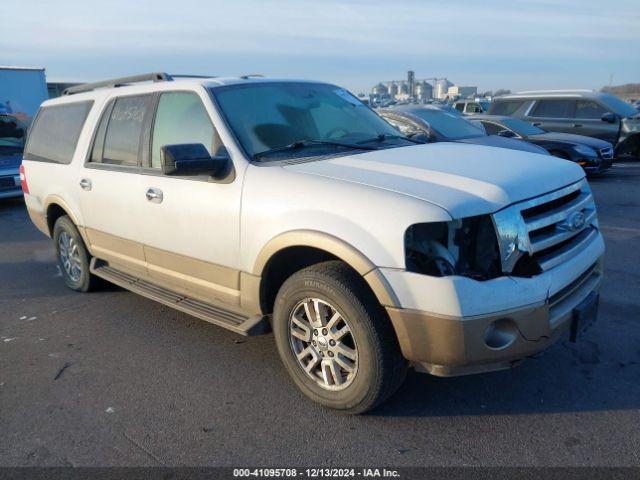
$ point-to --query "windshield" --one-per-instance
(450, 125)
(617, 105)
(266, 117)
(521, 127)
(12, 133)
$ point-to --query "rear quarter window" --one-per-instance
(505, 107)
(55, 132)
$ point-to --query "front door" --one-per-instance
(190, 225)
(553, 115)
(588, 117)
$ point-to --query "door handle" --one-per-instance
(154, 195)
(537, 124)
(85, 184)
(577, 125)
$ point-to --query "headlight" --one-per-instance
(466, 247)
(585, 150)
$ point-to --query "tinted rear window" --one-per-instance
(122, 140)
(55, 132)
(505, 107)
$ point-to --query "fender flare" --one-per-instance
(335, 246)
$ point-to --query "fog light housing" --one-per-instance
(501, 334)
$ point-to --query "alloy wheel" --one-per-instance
(323, 344)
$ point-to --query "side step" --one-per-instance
(234, 321)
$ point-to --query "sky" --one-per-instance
(519, 45)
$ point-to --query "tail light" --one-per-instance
(23, 180)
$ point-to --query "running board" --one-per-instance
(234, 321)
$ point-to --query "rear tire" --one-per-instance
(352, 363)
(72, 255)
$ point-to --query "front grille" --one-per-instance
(606, 153)
(7, 182)
(549, 229)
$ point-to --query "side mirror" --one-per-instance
(193, 159)
(609, 117)
(506, 133)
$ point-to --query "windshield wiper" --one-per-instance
(385, 136)
(308, 142)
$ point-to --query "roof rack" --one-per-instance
(118, 82)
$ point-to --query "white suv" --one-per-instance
(262, 204)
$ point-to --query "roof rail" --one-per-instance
(250, 75)
(118, 82)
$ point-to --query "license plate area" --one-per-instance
(584, 315)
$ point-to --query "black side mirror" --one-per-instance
(506, 133)
(609, 117)
(193, 159)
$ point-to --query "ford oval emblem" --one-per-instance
(576, 221)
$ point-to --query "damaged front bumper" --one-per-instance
(456, 326)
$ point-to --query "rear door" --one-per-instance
(554, 114)
(191, 228)
(110, 184)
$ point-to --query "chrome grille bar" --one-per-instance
(559, 214)
(567, 251)
(550, 228)
(558, 235)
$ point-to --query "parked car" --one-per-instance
(470, 107)
(592, 154)
(21, 92)
(433, 124)
(261, 204)
(12, 133)
(583, 112)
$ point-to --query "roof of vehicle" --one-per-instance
(497, 118)
(155, 82)
(550, 93)
(408, 108)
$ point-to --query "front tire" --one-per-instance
(73, 257)
(335, 339)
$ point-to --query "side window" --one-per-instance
(460, 107)
(472, 108)
(55, 132)
(492, 128)
(124, 130)
(182, 118)
(553, 109)
(589, 109)
(505, 107)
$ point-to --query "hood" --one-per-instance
(463, 179)
(503, 142)
(572, 139)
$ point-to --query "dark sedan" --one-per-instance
(593, 154)
(431, 123)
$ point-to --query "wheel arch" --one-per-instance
(54, 208)
(291, 251)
